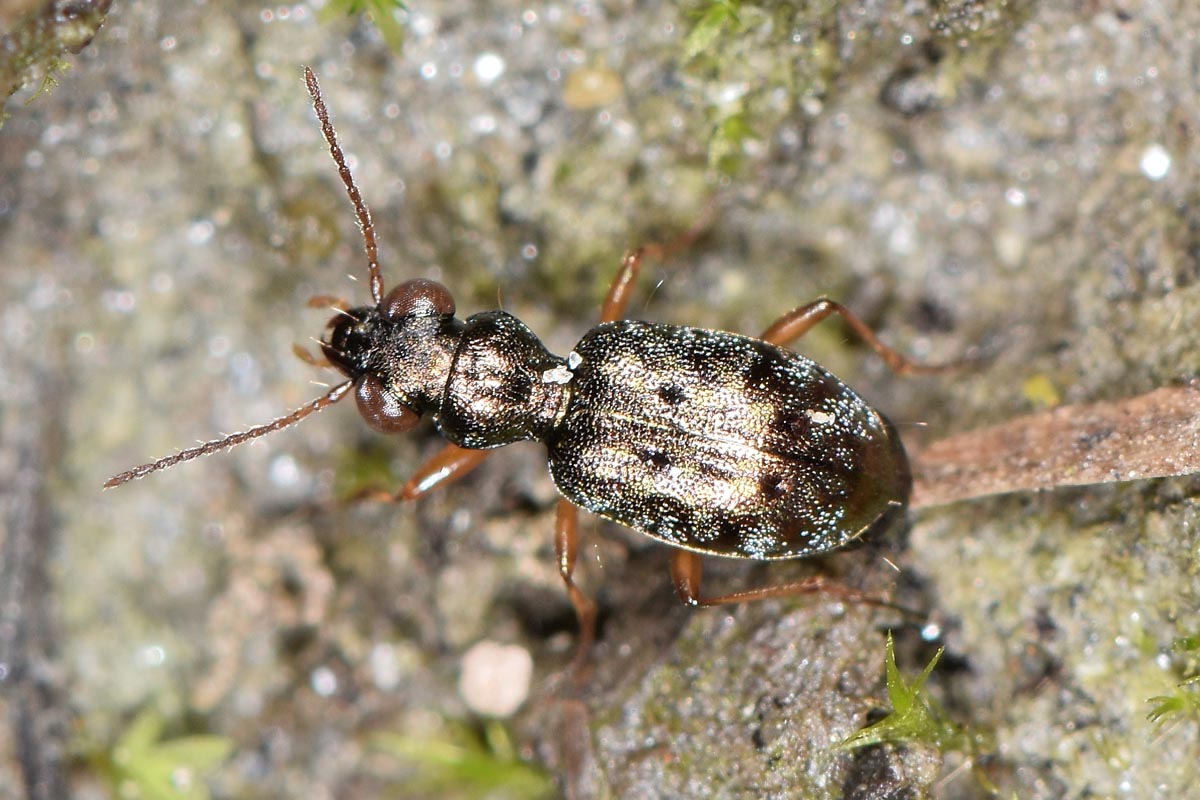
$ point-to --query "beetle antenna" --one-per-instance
(360, 208)
(233, 439)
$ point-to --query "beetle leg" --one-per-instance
(446, 465)
(309, 358)
(617, 299)
(687, 566)
(566, 548)
(328, 301)
(619, 292)
(797, 322)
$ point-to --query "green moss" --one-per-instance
(913, 717)
(1039, 390)
(463, 764)
(977, 21)
(916, 717)
(1185, 699)
(381, 13)
(727, 142)
(31, 51)
(712, 22)
(760, 64)
(361, 471)
(142, 765)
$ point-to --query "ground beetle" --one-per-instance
(715, 443)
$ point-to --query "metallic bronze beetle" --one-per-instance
(712, 442)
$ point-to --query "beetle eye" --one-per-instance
(380, 408)
(418, 298)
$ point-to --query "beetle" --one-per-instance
(715, 443)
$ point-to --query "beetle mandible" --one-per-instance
(712, 442)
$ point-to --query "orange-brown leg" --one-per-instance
(687, 566)
(621, 289)
(328, 301)
(566, 548)
(308, 358)
(799, 321)
(445, 466)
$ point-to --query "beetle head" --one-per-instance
(366, 343)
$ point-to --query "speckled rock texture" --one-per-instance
(1013, 179)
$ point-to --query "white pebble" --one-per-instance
(495, 678)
